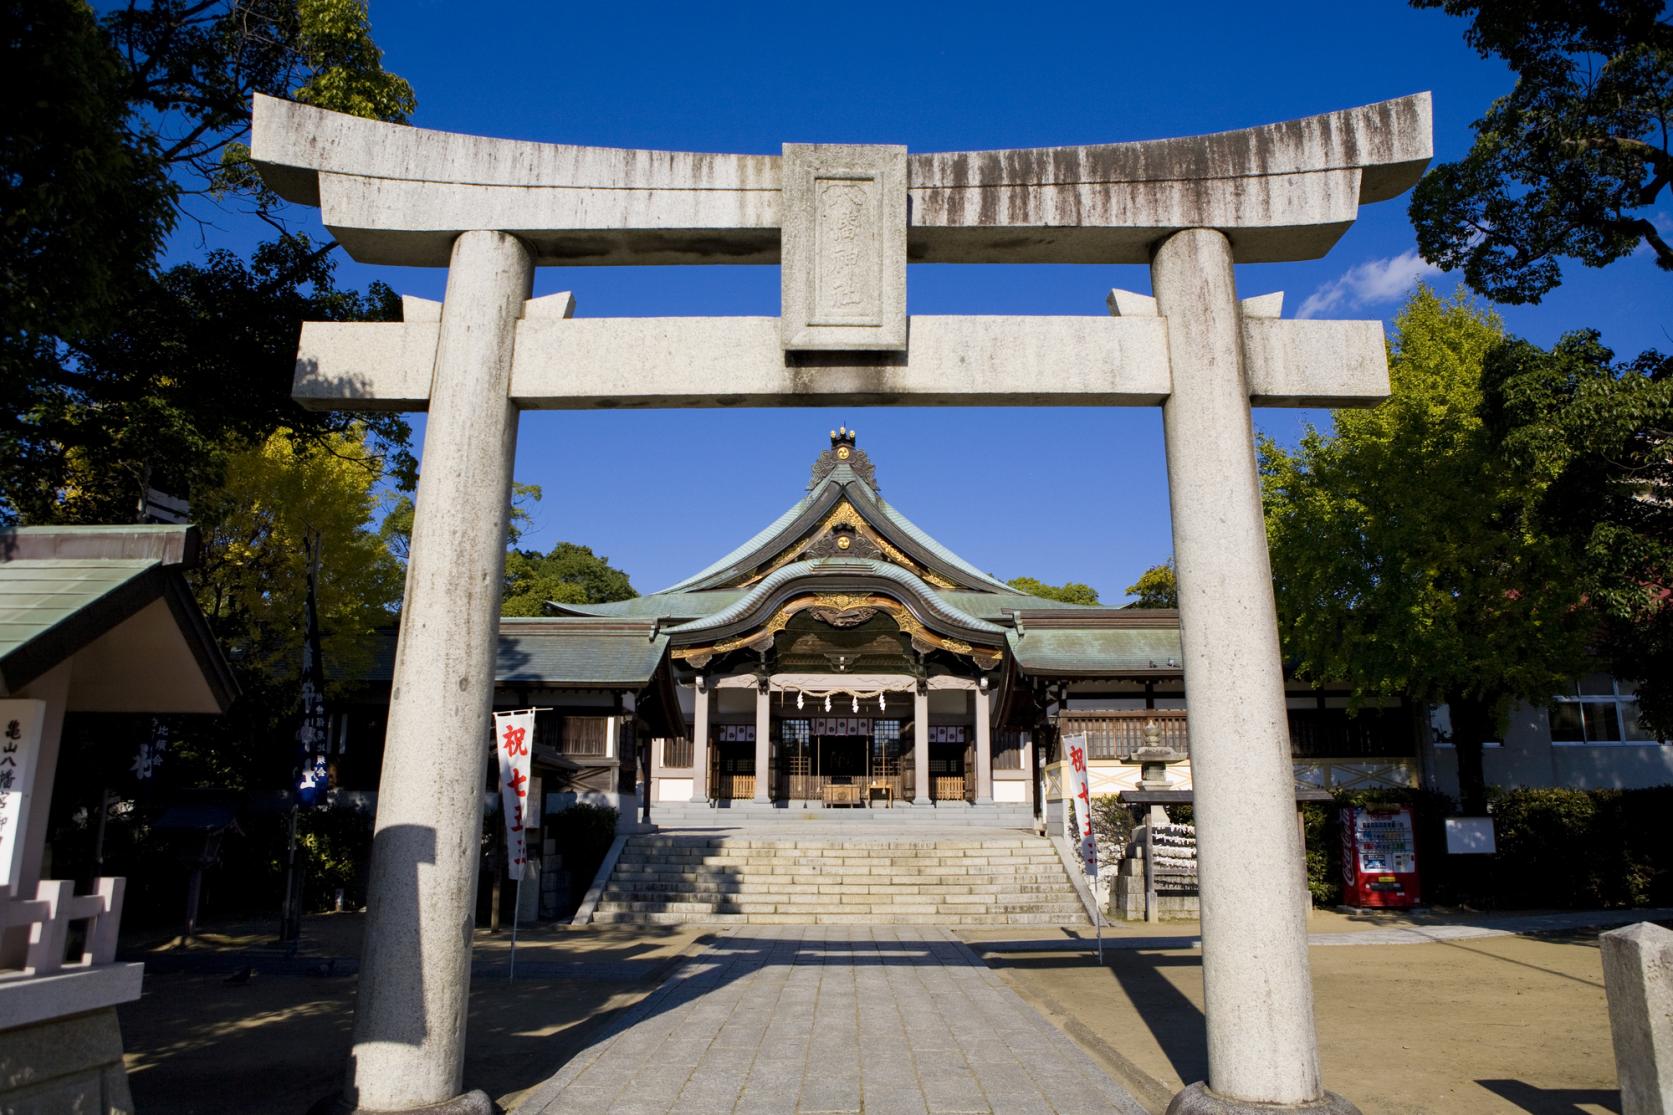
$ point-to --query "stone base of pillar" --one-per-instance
(474, 1102)
(1196, 1099)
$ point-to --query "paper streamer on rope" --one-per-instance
(513, 742)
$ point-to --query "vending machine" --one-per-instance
(1379, 857)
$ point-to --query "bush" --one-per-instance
(1112, 828)
(1564, 847)
(1557, 847)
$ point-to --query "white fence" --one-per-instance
(49, 913)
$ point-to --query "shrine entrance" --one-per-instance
(841, 220)
(842, 761)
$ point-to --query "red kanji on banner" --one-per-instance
(514, 744)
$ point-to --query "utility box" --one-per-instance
(1379, 857)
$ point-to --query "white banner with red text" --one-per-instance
(513, 742)
(1080, 788)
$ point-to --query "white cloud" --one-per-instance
(1368, 284)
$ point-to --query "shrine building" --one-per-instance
(841, 658)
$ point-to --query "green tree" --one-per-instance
(1399, 561)
(193, 67)
(1596, 438)
(1157, 587)
(1070, 592)
(86, 208)
(252, 582)
(115, 378)
(568, 574)
(199, 364)
(1572, 162)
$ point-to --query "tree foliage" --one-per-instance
(567, 574)
(1572, 162)
(1400, 562)
(1157, 587)
(193, 67)
(252, 581)
(1070, 592)
(1595, 439)
(199, 364)
(113, 377)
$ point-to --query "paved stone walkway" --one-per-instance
(831, 1019)
(1422, 933)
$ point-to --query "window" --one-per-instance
(1597, 709)
(1007, 748)
(584, 735)
(676, 752)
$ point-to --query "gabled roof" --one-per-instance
(842, 483)
(794, 559)
(115, 597)
(839, 573)
(559, 652)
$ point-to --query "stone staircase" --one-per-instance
(1011, 878)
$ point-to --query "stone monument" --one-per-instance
(843, 220)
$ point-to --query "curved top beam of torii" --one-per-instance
(393, 194)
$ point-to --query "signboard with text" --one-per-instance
(20, 747)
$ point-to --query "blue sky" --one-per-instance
(1053, 493)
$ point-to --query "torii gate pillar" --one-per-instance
(1258, 995)
(409, 1025)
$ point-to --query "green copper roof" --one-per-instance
(842, 481)
(835, 568)
(737, 556)
(1095, 651)
(50, 607)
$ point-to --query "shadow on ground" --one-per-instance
(1172, 1018)
(1554, 1101)
(245, 1027)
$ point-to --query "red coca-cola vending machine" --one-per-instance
(1379, 857)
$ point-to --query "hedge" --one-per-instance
(1557, 848)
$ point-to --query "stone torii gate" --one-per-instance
(843, 220)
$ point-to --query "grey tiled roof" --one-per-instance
(558, 651)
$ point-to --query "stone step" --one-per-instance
(666, 878)
(952, 921)
(841, 847)
(957, 902)
(839, 871)
(681, 886)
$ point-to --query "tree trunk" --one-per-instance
(1473, 723)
